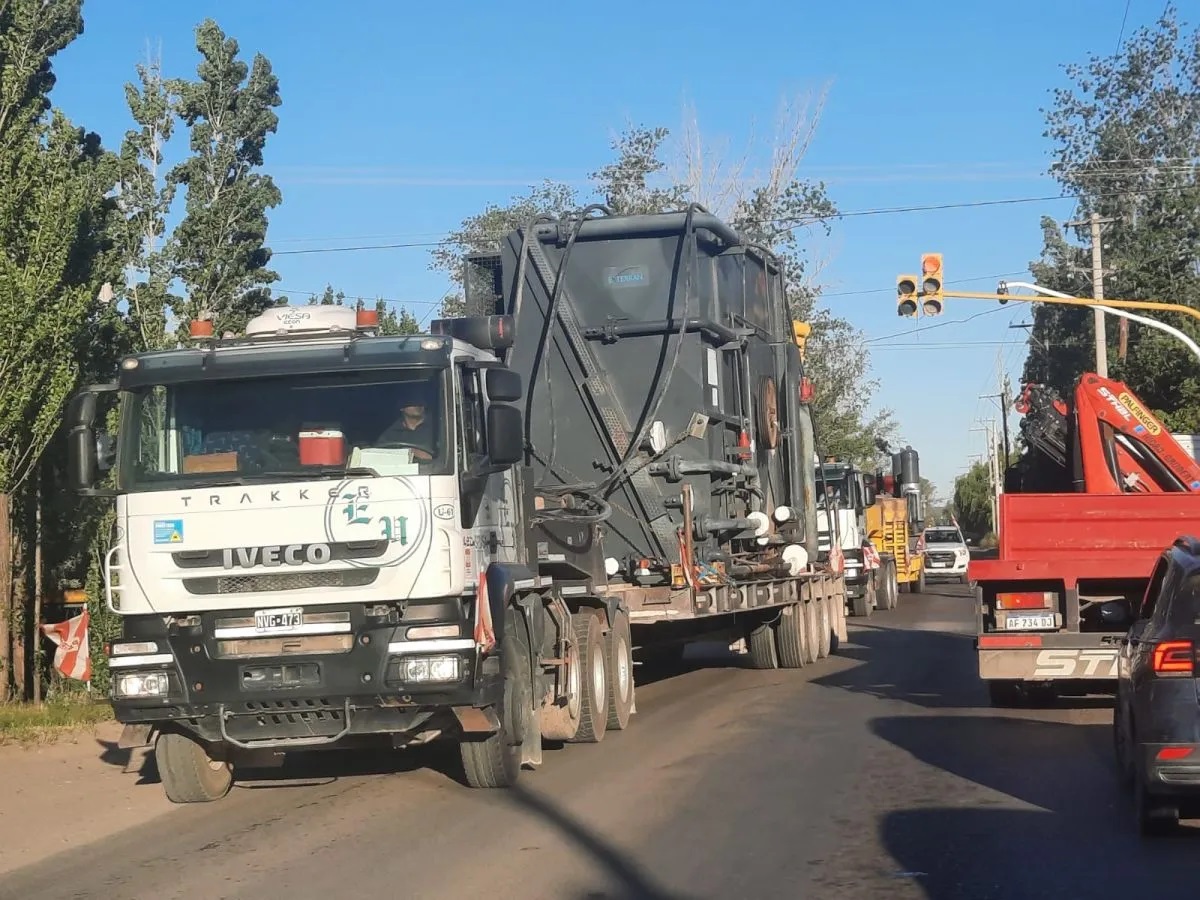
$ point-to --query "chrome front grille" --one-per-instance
(279, 581)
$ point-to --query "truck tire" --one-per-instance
(594, 680)
(825, 624)
(495, 761)
(864, 604)
(891, 586)
(561, 722)
(760, 644)
(812, 631)
(188, 774)
(619, 646)
(920, 585)
(791, 637)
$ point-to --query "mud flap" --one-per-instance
(134, 736)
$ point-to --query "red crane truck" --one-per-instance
(1077, 546)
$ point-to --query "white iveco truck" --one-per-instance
(325, 535)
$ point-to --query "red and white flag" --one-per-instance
(871, 556)
(72, 657)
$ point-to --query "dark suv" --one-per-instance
(1156, 719)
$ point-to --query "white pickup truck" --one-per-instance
(946, 554)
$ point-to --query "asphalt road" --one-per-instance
(879, 774)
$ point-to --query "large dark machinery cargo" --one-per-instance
(664, 396)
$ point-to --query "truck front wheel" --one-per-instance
(495, 761)
(188, 773)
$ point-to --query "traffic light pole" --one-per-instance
(1090, 302)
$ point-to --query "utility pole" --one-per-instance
(1096, 221)
(989, 429)
(1004, 401)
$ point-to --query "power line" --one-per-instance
(949, 345)
(923, 328)
(788, 223)
(1121, 33)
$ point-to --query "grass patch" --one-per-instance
(32, 723)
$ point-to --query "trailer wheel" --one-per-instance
(825, 624)
(760, 642)
(791, 637)
(561, 722)
(593, 718)
(619, 646)
(812, 631)
(188, 773)
(495, 761)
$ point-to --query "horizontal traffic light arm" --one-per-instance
(1079, 301)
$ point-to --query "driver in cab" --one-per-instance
(413, 430)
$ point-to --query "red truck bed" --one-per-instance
(1069, 537)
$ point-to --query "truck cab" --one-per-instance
(303, 520)
(842, 498)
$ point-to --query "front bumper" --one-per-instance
(948, 566)
(318, 689)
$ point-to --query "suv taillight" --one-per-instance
(1174, 658)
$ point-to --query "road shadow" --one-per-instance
(1077, 840)
(933, 669)
(628, 880)
(910, 666)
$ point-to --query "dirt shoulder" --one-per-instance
(74, 789)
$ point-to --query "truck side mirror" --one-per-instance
(83, 461)
(503, 385)
(505, 437)
(869, 496)
(88, 453)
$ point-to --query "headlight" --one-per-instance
(149, 684)
(429, 669)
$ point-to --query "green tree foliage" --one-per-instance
(1127, 134)
(144, 199)
(392, 321)
(638, 180)
(973, 501)
(54, 216)
(219, 247)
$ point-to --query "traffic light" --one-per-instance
(906, 295)
(931, 284)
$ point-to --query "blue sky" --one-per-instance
(399, 119)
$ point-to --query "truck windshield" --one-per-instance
(943, 536)
(285, 428)
(834, 492)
